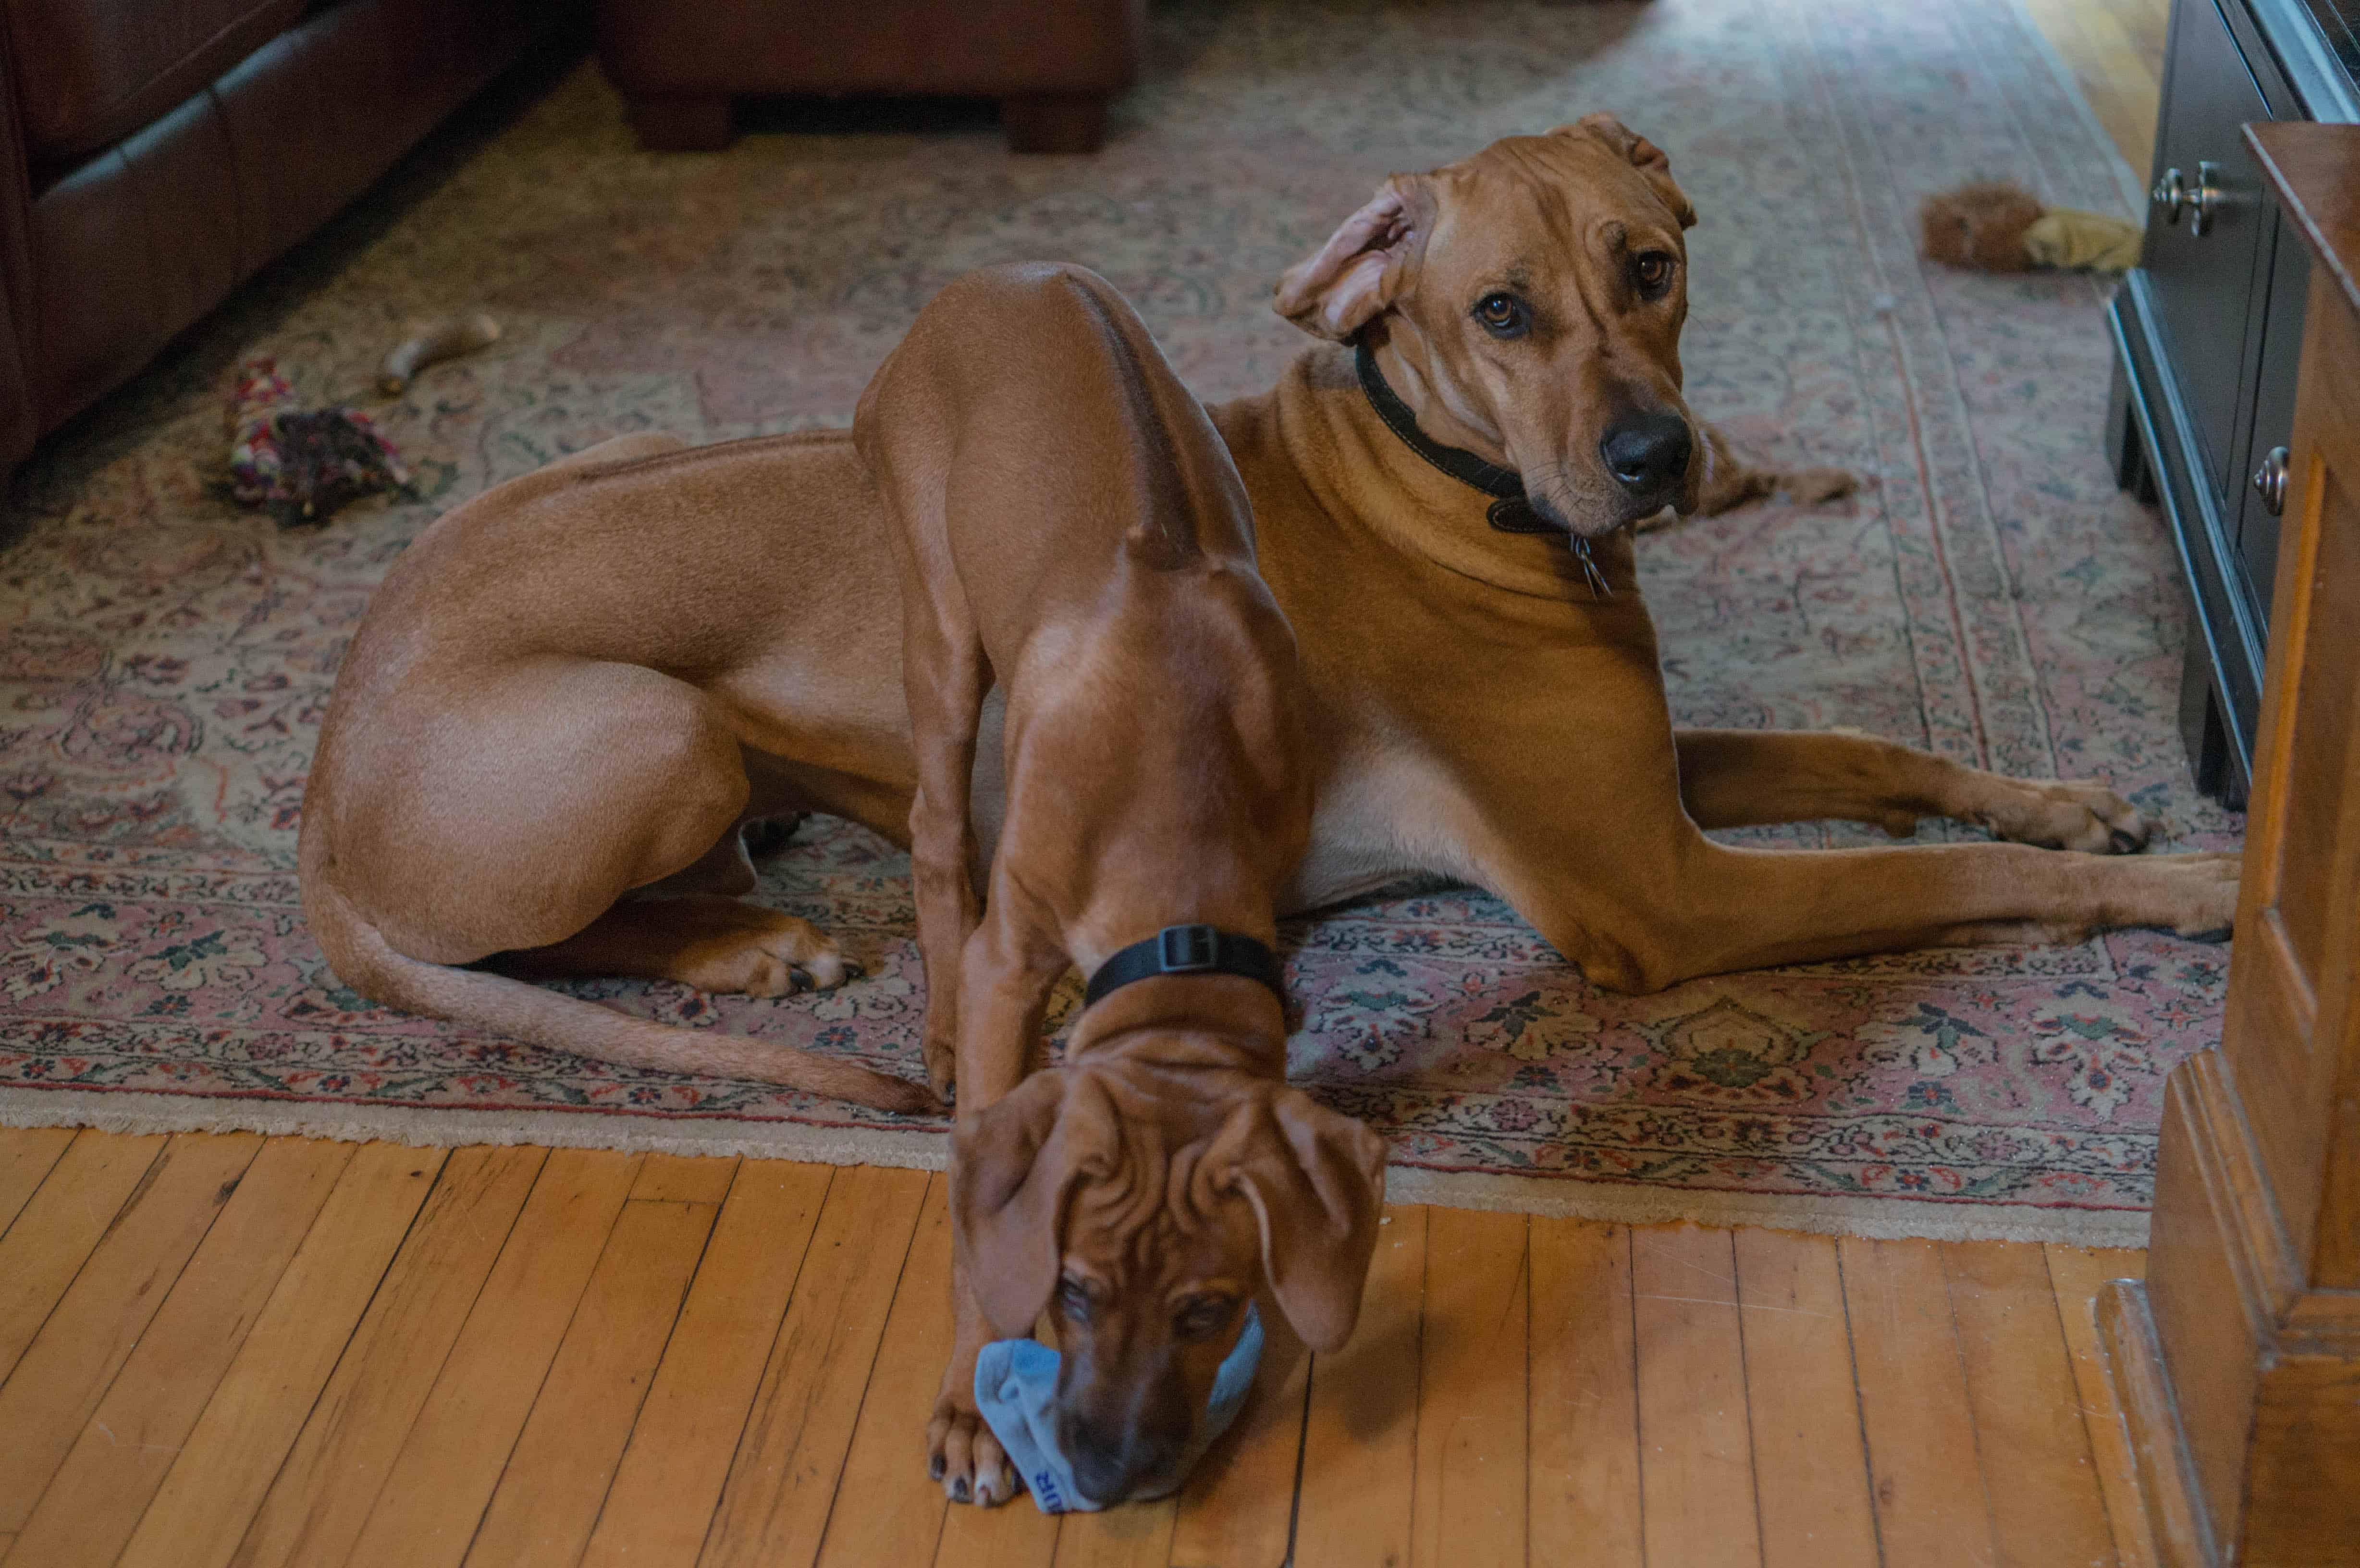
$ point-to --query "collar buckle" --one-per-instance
(1186, 950)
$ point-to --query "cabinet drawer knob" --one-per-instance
(2204, 200)
(2269, 480)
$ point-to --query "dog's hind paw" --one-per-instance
(725, 945)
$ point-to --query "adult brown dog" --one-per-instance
(1091, 553)
(580, 685)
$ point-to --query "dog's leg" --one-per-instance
(1731, 481)
(1704, 908)
(707, 941)
(1006, 975)
(1741, 778)
(947, 676)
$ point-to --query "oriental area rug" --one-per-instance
(1989, 596)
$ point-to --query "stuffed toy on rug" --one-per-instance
(302, 465)
(1997, 225)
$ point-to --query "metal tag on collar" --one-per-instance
(1599, 588)
(1185, 949)
(1515, 515)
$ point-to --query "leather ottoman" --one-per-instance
(1051, 63)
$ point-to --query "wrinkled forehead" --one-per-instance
(1122, 1232)
(1530, 199)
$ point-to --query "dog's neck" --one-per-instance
(1188, 1024)
(1375, 483)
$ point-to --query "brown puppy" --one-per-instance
(574, 689)
(1070, 526)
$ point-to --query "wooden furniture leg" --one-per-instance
(682, 124)
(1056, 121)
(2237, 1365)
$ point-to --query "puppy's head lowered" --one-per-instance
(1145, 1216)
(1537, 292)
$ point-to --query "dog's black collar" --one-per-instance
(1187, 950)
(1511, 511)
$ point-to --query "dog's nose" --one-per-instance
(1647, 452)
(1111, 1466)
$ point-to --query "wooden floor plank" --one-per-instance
(94, 1501)
(1468, 1510)
(1359, 1440)
(2075, 1273)
(1930, 1504)
(2148, 24)
(1238, 1505)
(442, 1479)
(1696, 1455)
(2046, 1507)
(1136, 1535)
(26, 1157)
(548, 1498)
(1013, 1535)
(684, 1179)
(59, 1226)
(225, 1467)
(662, 1502)
(323, 1492)
(2117, 79)
(1810, 1473)
(65, 1371)
(1583, 1482)
(774, 1506)
(886, 1510)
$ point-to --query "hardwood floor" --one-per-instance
(2114, 49)
(225, 1349)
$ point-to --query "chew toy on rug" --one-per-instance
(302, 465)
(1016, 1387)
(1997, 225)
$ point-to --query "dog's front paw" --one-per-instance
(942, 1069)
(2200, 893)
(2070, 813)
(962, 1454)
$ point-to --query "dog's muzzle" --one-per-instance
(1648, 455)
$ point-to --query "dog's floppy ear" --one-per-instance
(1356, 275)
(1012, 1167)
(1317, 1181)
(1644, 156)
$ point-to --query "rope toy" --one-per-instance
(302, 465)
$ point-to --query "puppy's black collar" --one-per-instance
(1187, 950)
(1511, 511)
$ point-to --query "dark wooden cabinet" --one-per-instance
(2237, 1362)
(2209, 330)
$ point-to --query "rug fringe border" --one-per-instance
(1615, 1203)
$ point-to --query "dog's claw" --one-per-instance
(934, 1468)
(959, 1490)
(2124, 843)
(855, 971)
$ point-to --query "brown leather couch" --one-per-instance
(1051, 63)
(155, 153)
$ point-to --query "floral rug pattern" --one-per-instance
(167, 656)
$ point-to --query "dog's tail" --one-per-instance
(366, 962)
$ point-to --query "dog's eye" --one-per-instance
(1073, 1299)
(1204, 1318)
(1502, 315)
(1651, 270)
